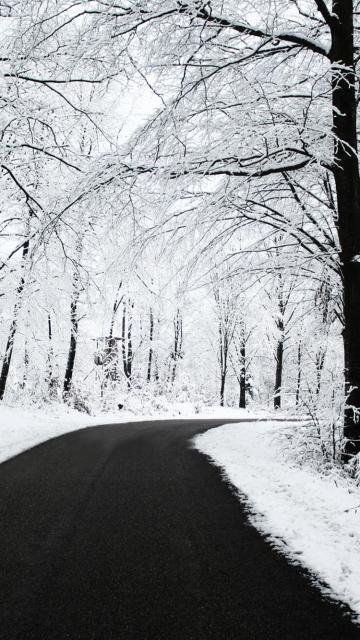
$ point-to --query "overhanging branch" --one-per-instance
(246, 29)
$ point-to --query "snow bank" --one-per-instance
(314, 520)
(21, 429)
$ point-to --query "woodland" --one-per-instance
(180, 208)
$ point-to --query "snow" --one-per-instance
(313, 519)
(21, 429)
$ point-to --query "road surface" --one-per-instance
(123, 532)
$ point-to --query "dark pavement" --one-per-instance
(123, 532)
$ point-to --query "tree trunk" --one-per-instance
(178, 343)
(223, 359)
(320, 361)
(222, 388)
(51, 379)
(129, 348)
(347, 182)
(151, 337)
(242, 397)
(115, 308)
(156, 355)
(8, 352)
(156, 370)
(126, 341)
(73, 337)
(26, 366)
(14, 324)
(123, 339)
(278, 373)
(298, 383)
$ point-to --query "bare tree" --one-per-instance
(151, 349)
(126, 339)
(74, 326)
(226, 315)
(24, 271)
(241, 358)
(310, 133)
(177, 352)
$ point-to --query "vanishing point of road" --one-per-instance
(125, 532)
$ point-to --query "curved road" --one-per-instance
(123, 532)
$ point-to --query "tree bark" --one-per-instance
(223, 352)
(74, 322)
(14, 324)
(347, 182)
(242, 397)
(26, 366)
(129, 347)
(126, 341)
(178, 343)
(279, 373)
(51, 379)
(320, 361)
(298, 382)
(115, 309)
(222, 388)
(151, 337)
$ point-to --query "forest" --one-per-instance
(180, 209)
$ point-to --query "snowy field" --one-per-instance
(314, 520)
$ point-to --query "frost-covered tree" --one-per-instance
(254, 91)
(253, 125)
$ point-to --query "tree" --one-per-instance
(177, 352)
(257, 109)
(51, 377)
(74, 321)
(241, 358)
(127, 339)
(227, 316)
(151, 348)
(297, 67)
(24, 270)
(282, 293)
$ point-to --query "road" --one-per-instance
(123, 532)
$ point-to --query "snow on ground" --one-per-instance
(313, 519)
(21, 429)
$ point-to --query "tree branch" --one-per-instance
(298, 40)
(20, 186)
(54, 81)
(51, 155)
(247, 173)
(322, 8)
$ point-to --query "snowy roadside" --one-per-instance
(21, 429)
(314, 520)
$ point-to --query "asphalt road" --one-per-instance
(123, 532)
